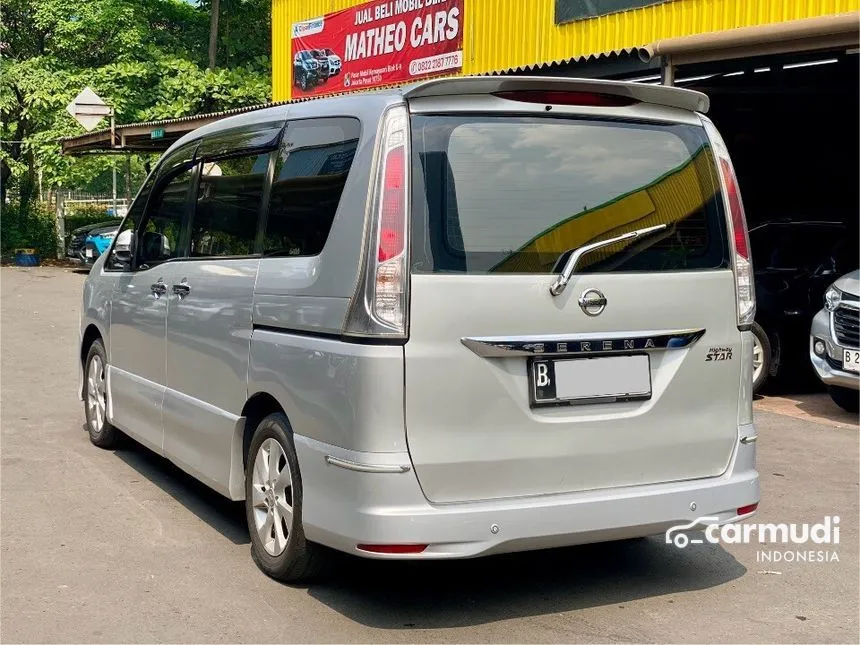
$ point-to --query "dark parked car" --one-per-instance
(306, 70)
(325, 64)
(794, 263)
(77, 242)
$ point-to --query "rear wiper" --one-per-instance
(564, 277)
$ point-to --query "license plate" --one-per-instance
(88, 253)
(851, 360)
(589, 380)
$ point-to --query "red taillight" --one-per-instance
(739, 225)
(558, 97)
(746, 510)
(395, 549)
(391, 233)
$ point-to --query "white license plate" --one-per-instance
(88, 253)
(851, 360)
(590, 380)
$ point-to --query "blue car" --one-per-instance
(97, 242)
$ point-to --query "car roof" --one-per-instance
(367, 103)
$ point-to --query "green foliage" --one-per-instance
(146, 58)
(87, 212)
(32, 226)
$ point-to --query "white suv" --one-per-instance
(834, 341)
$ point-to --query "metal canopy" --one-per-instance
(149, 136)
(809, 34)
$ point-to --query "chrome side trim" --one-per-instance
(365, 468)
(749, 439)
(582, 344)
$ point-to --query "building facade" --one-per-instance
(529, 36)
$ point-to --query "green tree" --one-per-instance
(146, 58)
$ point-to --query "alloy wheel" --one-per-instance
(272, 497)
(96, 393)
(758, 358)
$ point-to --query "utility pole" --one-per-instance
(113, 162)
(113, 159)
(127, 180)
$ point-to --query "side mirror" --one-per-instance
(123, 250)
(154, 246)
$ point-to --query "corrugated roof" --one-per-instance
(517, 35)
(182, 119)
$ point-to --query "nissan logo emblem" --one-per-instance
(592, 302)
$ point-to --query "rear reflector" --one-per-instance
(746, 510)
(555, 97)
(392, 548)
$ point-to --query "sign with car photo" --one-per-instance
(376, 43)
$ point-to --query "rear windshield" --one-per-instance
(506, 194)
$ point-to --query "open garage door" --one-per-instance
(791, 124)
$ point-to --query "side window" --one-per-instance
(159, 240)
(228, 206)
(131, 223)
(309, 180)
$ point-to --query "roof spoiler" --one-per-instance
(656, 94)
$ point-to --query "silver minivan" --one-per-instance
(463, 317)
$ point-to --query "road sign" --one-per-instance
(88, 109)
(158, 133)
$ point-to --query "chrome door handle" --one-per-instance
(158, 288)
(182, 289)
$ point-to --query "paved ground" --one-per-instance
(113, 547)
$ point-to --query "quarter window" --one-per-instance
(310, 176)
(228, 206)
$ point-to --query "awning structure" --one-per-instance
(810, 34)
(149, 136)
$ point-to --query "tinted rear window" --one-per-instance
(503, 194)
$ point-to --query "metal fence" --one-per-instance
(68, 202)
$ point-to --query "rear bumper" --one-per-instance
(343, 508)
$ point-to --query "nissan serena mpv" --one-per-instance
(463, 317)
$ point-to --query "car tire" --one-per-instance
(762, 357)
(102, 433)
(847, 399)
(273, 487)
(303, 82)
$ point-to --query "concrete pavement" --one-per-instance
(102, 546)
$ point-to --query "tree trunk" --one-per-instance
(213, 32)
(27, 182)
(5, 175)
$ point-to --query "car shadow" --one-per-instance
(820, 407)
(461, 593)
(223, 515)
